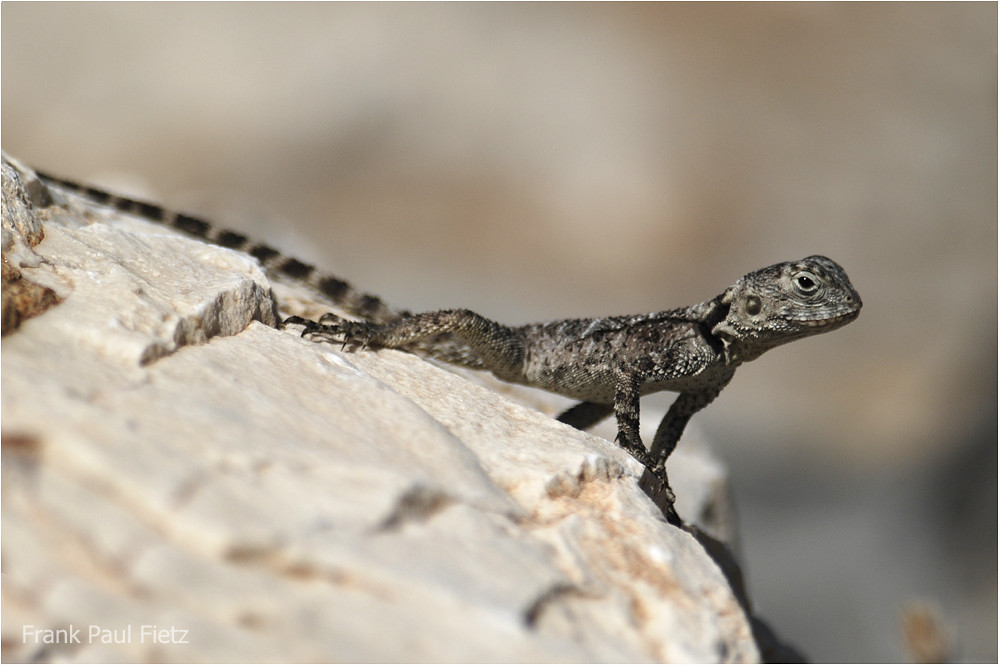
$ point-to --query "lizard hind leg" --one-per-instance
(461, 337)
(485, 343)
(585, 414)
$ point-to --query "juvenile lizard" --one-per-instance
(606, 363)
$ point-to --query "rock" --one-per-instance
(22, 298)
(184, 482)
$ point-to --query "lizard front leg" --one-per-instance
(672, 426)
(654, 480)
(627, 413)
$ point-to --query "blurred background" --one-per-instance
(538, 161)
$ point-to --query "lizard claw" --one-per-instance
(331, 328)
(295, 320)
(637, 451)
(655, 485)
(356, 333)
(653, 480)
(321, 330)
(308, 326)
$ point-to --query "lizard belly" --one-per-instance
(571, 374)
(599, 385)
(591, 365)
(694, 383)
(576, 381)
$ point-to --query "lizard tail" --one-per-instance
(338, 292)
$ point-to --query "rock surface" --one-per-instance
(171, 460)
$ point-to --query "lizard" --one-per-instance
(606, 363)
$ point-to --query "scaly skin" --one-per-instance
(609, 363)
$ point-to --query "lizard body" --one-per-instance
(606, 363)
(609, 363)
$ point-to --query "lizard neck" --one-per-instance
(711, 317)
(734, 347)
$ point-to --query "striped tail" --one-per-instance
(338, 292)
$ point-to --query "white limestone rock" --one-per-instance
(171, 460)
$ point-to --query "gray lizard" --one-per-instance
(606, 363)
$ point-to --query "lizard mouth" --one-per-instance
(837, 320)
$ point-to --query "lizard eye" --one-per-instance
(806, 283)
(753, 305)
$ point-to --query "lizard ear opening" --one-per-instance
(719, 311)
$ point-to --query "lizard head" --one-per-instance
(784, 302)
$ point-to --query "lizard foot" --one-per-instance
(656, 486)
(637, 451)
(331, 328)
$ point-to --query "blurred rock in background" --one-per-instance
(541, 161)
